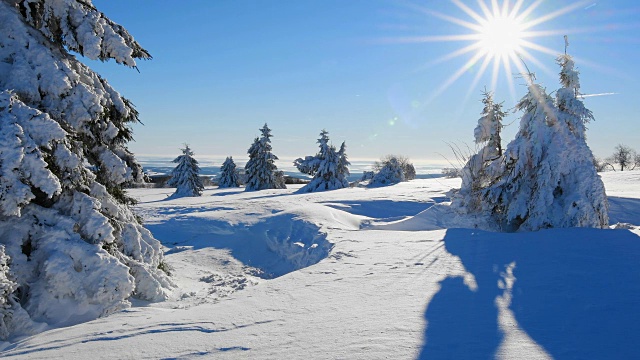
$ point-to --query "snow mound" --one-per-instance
(437, 217)
(276, 244)
(297, 243)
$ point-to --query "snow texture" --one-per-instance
(185, 176)
(406, 278)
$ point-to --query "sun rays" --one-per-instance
(500, 36)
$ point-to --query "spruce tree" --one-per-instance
(186, 175)
(228, 174)
(328, 167)
(69, 235)
(489, 126)
(343, 164)
(261, 170)
(481, 169)
(571, 109)
(549, 179)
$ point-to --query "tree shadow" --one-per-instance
(227, 193)
(576, 294)
(624, 210)
(461, 322)
(380, 209)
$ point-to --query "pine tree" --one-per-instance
(261, 170)
(343, 164)
(489, 127)
(571, 109)
(185, 176)
(309, 165)
(549, 179)
(228, 174)
(482, 168)
(67, 228)
(328, 167)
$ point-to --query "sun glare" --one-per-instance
(501, 37)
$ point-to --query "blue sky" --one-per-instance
(221, 69)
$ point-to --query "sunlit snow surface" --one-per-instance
(370, 274)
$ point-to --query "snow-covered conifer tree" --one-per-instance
(309, 165)
(489, 127)
(481, 168)
(343, 163)
(549, 179)
(571, 109)
(186, 175)
(328, 167)
(261, 170)
(228, 174)
(76, 248)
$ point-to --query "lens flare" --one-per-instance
(502, 35)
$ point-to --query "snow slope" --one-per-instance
(370, 274)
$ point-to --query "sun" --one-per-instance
(501, 37)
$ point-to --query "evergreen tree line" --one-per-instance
(329, 168)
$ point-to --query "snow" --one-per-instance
(369, 273)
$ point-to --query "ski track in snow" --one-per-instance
(369, 274)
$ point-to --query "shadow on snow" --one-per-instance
(381, 209)
(575, 294)
(624, 210)
(277, 245)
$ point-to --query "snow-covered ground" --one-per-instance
(370, 274)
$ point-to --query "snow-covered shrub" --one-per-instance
(77, 250)
(392, 169)
(367, 175)
(328, 167)
(450, 173)
(186, 175)
(408, 170)
(261, 170)
(228, 174)
(391, 172)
